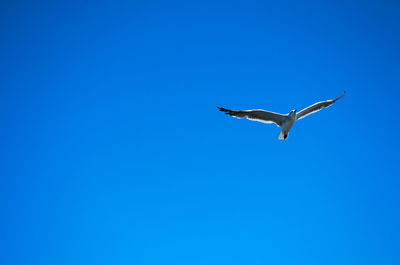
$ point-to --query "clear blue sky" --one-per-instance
(113, 151)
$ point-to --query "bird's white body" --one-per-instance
(286, 122)
(286, 126)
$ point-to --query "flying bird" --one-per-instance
(286, 122)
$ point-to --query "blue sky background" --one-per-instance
(113, 151)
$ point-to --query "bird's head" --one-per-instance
(292, 113)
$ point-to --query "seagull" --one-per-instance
(286, 122)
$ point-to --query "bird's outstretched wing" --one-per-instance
(256, 115)
(317, 107)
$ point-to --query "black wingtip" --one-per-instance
(226, 111)
(223, 109)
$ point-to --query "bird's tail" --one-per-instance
(283, 135)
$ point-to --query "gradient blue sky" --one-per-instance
(113, 151)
